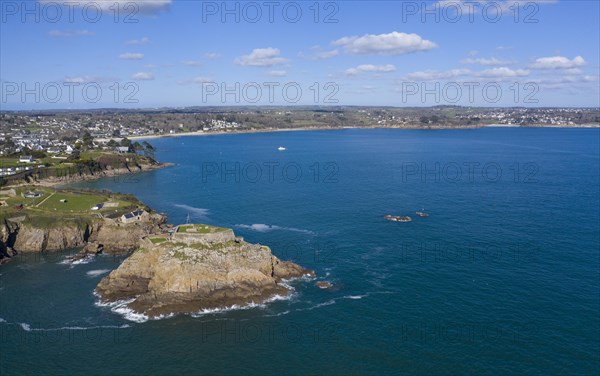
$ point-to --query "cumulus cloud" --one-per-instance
(488, 62)
(370, 68)
(558, 62)
(394, 43)
(438, 75)
(71, 33)
(143, 76)
(261, 57)
(138, 42)
(141, 6)
(131, 56)
(503, 72)
(80, 79)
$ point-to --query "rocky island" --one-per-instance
(180, 269)
(197, 267)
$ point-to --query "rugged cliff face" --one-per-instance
(28, 237)
(190, 276)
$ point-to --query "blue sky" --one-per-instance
(394, 53)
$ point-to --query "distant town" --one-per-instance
(37, 139)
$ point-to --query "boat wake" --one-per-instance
(261, 227)
(199, 213)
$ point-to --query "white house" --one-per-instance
(26, 159)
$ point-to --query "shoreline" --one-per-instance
(305, 129)
(62, 182)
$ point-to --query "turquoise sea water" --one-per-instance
(501, 278)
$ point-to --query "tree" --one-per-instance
(148, 146)
(88, 140)
(112, 143)
(137, 147)
(125, 142)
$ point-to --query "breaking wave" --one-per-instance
(95, 273)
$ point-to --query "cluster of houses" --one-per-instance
(9, 171)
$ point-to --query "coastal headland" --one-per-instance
(170, 269)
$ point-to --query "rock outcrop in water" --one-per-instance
(194, 270)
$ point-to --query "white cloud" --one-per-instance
(192, 63)
(141, 6)
(138, 42)
(503, 72)
(558, 62)
(277, 73)
(80, 79)
(143, 76)
(212, 55)
(438, 75)
(202, 80)
(131, 56)
(574, 71)
(71, 33)
(370, 68)
(394, 43)
(487, 62)
(261, 57)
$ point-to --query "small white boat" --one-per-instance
(281, 148)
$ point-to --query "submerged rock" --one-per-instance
(324, 285)
(192, 271)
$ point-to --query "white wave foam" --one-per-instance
(2, 320)
(198, 212)
(355, 297)
(327, 303)
(261, 227)
(27, 327)
(237, 307)
(130, 314)
(95, 273)
(120, 307)
(85, 260)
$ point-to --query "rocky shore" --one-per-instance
(92, 234)
(191, 272)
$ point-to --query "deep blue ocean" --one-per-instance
(502, 277)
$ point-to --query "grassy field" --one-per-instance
(200, 229)
(158, 240)
(78, 204)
